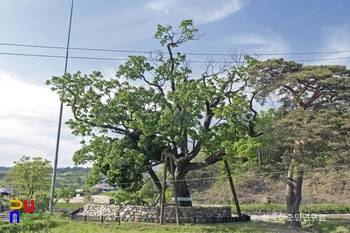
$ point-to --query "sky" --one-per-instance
(29, 110)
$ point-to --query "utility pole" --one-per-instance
(52, 196)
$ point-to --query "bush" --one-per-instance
(149, 192)
(124, 197)
(35, 227)
(42, 202)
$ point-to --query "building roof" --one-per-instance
(5, 190)
(106, 187)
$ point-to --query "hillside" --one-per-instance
(327, 187)
(74, 176)
(209, 186)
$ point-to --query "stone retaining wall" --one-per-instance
(151, 213)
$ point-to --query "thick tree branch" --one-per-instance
(208, 161)
(74, 110)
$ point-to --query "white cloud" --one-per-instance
(28, 122)
(24, 99)
(129, 25)
(336, 39)
(266, 42)
(200, 11)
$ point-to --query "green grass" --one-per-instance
(325, 208)
(72, 206)
(153, 227)
(313, 208)
(332, 224)
(261, 207)
(55, 224)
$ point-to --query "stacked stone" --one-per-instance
(109, 212)
(139, 213)
(198, 213)
(151, 213)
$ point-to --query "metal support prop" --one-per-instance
(163, 193)
(174, 191)
(233, 189)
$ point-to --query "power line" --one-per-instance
(74, 48)
(313, 170)
(58, 56)
(147, 52)
(126, 59)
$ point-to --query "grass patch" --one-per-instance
(331, 225)
(55, 224)
(41, 224)
(152, 227)
(313, 208)
(72, 206)
(325, 208)
(261, 207)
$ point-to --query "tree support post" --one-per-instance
(233, 189)
(174, 191)
(161, 220)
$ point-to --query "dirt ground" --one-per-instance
(94, 198)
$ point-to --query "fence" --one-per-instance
(85, 218)
(102, 219)
(4, 217)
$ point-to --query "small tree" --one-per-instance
(66, 193)
(30, 175)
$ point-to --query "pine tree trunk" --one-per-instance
(293, 197)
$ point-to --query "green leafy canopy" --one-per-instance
(152, 105)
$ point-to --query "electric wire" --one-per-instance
(235, 175)
(126, 59)
(147, 52)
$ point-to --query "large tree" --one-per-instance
(154, 109)
(312, 127)
(28, 176)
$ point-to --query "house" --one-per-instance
(79, 190)
(4, 191)
(104, 187)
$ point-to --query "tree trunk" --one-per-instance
(182, 192)
(293, 196)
